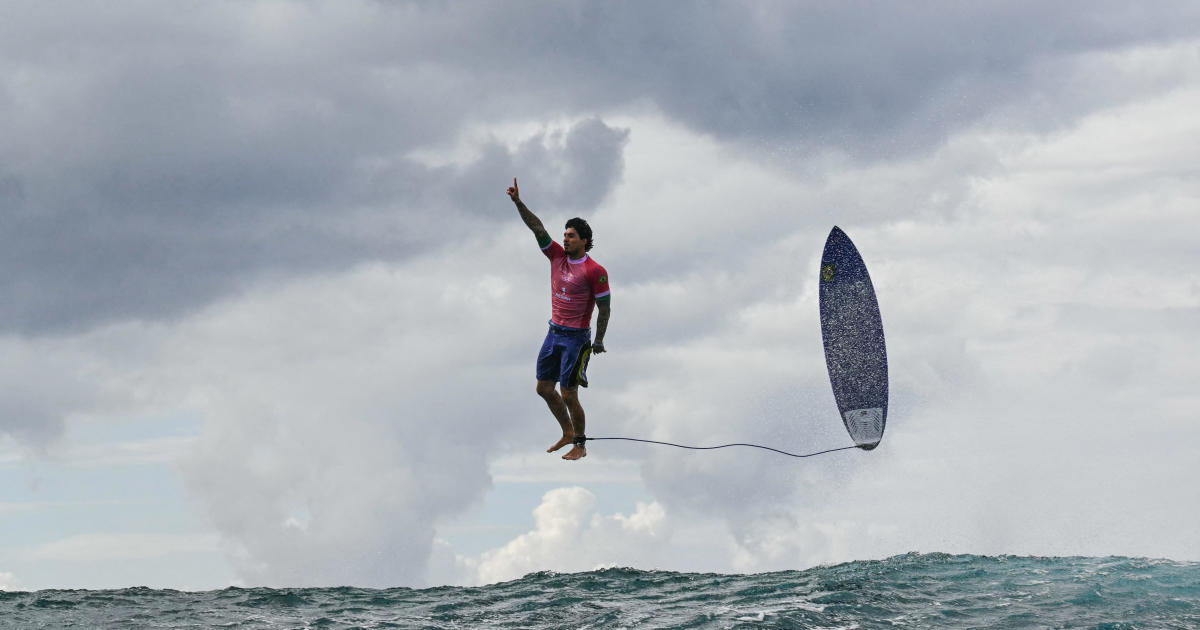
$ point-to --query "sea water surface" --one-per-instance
(909, 591)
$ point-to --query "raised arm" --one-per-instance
(531, 220)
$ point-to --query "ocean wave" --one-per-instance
(909, 591)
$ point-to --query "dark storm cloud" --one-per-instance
(156, 156)
(874, 80)
(142, 176)
(571, 170)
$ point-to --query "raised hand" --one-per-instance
(513, 193)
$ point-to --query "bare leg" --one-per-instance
(570, 398)
(546, 390)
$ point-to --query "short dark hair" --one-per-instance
(583, 230)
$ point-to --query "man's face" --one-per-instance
(572, 244)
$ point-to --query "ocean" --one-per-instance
(908, 591)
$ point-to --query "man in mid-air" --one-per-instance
(577, 283)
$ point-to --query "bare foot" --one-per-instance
(566, 439)
(578, 452)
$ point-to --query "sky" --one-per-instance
(269, 318)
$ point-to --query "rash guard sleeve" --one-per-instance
(600, 288)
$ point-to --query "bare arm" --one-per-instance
(531, 220)
(605, 308)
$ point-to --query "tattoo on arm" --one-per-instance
(532, 221)
(602, 319)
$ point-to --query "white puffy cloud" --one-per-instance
(9, 582)
(570, 536)
(345, 416)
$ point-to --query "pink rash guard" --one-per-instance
(575, 285)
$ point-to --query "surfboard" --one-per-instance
(852, 332)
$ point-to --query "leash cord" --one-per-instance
(707, 448)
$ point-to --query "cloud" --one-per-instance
(878, 83)
(327, 457)
(287, 219)
(77, 267)
(329, 420)
(322, 383)
(346, 407)
(569, 169)
(570, 536)
(51, 380)
(9, 582)
(1022, 355)
(155, 163)
(148, 175)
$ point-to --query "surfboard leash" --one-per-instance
(709, 448)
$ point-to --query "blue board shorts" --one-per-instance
(564, 356)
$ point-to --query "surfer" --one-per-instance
(577, 284)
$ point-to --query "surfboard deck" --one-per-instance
(852, 332)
